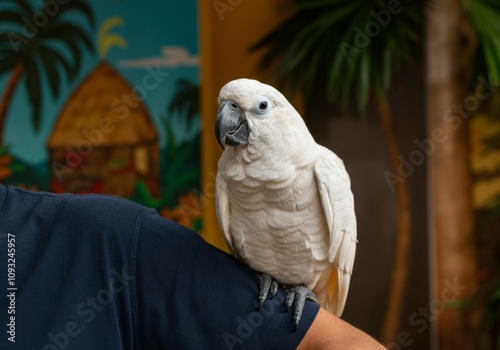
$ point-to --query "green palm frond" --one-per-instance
(351, 47)
(64, 31)
(78, 6)
(11, 16)
(484, 16)
(41, 53)
(186, 99)
(57, 59)
(51, 72)
(7, 63)
(14, 11)
(71, 36)
(24, 8)
(76, 54)
(6, 40)
(33, 88)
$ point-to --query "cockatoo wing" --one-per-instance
(223, 210)
(338, 206)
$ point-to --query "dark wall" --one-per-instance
(359, 142)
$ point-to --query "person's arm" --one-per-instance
(330, 332)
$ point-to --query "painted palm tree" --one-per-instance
(28, 53)
(182, 173)
(186, 99)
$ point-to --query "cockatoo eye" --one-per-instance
(263, 105)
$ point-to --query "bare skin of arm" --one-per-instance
(330, 332)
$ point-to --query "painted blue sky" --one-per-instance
(161, 33)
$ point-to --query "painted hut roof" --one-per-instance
(98, 103)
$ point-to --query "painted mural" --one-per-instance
(101, 96)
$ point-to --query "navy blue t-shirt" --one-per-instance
(100, 272)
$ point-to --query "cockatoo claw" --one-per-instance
(298, 295)
(268, 287)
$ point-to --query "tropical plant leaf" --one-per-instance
(65, 31)
(364, 81)
(25, 7)
(51, 72)
(37, 50)
(144, 197)
(58, 59)
(34, 90)
(170, 137)
(76, 53)
(186, 99)
(181, 171)
(4, 150)
(11, 16)
(331, 36)
(79, 6)
(13, 41)
(492, 58)
(387, 69)
(5, 51)
(484, 16)
(7, 64)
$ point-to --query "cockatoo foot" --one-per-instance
(298, 295)
(268, 287)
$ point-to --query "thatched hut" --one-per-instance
(104, 140)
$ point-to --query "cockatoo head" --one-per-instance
(251, 112)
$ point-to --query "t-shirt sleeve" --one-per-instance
(191, 295)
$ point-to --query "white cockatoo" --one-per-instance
(284, 203)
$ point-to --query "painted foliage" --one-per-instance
(102, 97)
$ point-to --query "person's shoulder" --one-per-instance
(100, 202)
(90, 200)
(91, 208)
(116, 213)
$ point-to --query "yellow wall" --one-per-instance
(226, 33)
(485, 162)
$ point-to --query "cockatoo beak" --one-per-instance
(231, 127)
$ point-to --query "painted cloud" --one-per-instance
(171, 56)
